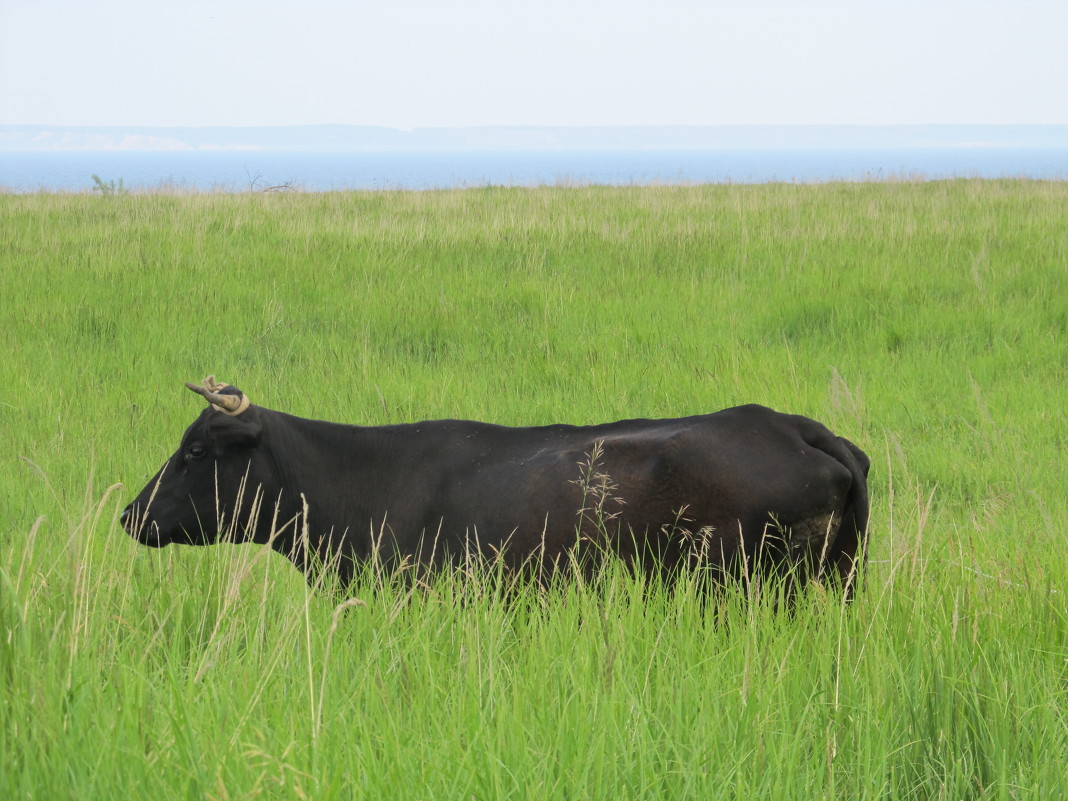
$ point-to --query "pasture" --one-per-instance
(925, 321)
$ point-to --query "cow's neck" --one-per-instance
(326, 473)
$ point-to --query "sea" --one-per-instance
(256, 170)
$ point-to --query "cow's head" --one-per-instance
(208, 489)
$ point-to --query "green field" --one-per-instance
(926, 321)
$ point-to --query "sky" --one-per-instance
(405, 64)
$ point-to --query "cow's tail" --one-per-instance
(849, 551)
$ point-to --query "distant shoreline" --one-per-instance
(373, 139)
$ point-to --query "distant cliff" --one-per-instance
(350, 138)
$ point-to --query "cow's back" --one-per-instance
(641, 488)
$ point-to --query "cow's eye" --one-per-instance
(197, 451)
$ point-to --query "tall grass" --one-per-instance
(924, 321)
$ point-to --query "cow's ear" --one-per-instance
(243, 430)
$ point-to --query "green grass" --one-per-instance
(928, 322)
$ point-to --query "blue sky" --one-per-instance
(411, 64)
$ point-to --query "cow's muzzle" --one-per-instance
(142, 528)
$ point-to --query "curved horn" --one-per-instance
(210, 390)
(230, 403)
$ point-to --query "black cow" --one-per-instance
(746, 490)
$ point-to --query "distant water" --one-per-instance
(237, 171)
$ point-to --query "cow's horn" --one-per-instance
(227, 404)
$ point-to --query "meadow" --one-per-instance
(926, 321)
